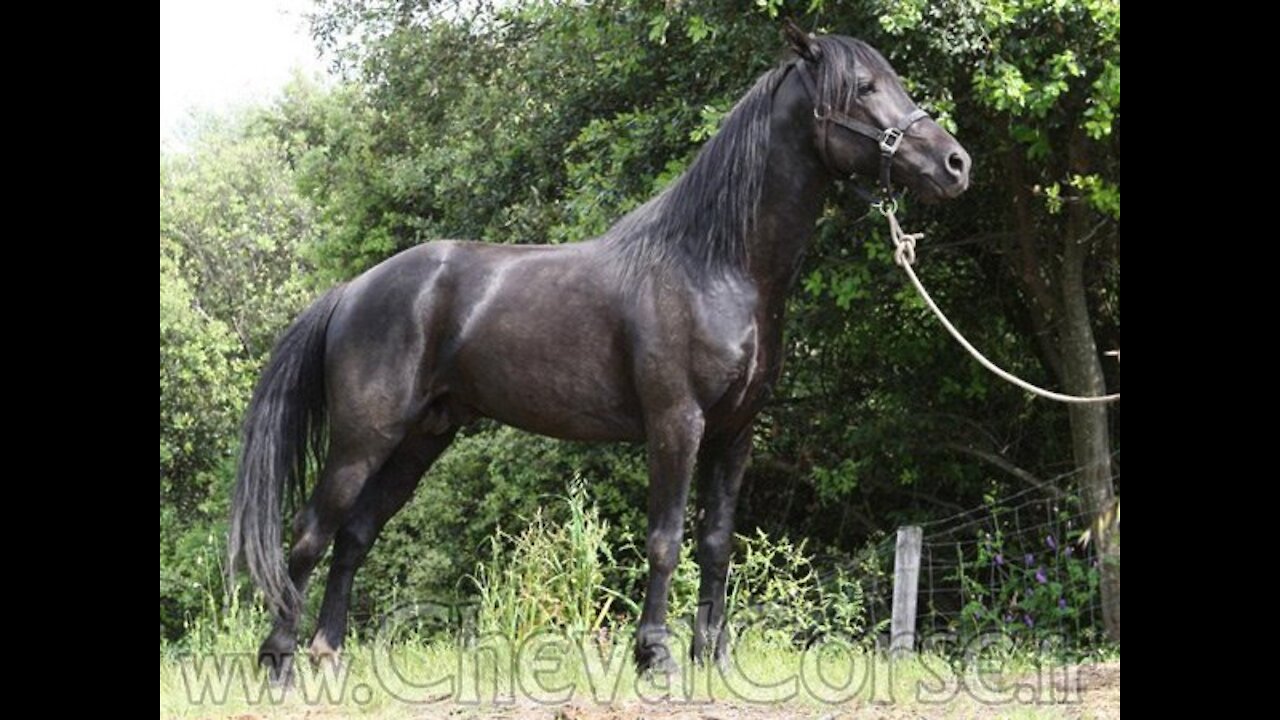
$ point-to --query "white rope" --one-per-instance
(904, 254)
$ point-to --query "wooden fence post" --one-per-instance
(906, 579)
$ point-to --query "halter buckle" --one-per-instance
(889, 141)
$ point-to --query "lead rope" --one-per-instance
(904, 254)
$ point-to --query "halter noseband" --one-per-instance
(887, 139)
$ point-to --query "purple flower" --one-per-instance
(1031, 559)
(1062, 603)
(1008, 617)
(1068, 551)
(1028, 620)
(999, 558)
(1040, 576)
(1048, 540)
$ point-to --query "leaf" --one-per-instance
(658, 29)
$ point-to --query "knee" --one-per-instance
(664, 552)
(714, 549)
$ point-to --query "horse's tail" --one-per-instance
(283, 428)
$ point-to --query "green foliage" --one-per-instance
(1102, 195)
(202, 387)
(492, 479)
(777, 594)
(543, 125)
(192, 556)
(1031, 587)
(232, 208)
(203, 384)
(550, 576)
(563, 573)
(1040, 593)
(213, 617)
(231, 223)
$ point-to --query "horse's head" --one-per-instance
(865, 123)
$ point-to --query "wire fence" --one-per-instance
(1015, 565)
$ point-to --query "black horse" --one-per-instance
(667, 329)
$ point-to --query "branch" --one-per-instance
(967, 422)
(980, 238)
(243, 337)
(1024, 263)
(1002, 463)
(953, 507)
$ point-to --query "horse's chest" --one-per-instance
(734, 361)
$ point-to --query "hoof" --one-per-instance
(276, 656)
(279, 667)
(713, 649)
(719, 660)
(665, 665)
(655, 659)
(322, 651)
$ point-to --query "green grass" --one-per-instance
(547, 673)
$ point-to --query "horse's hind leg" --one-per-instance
(383, 496)
(352, 460)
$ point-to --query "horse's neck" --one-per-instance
(795, 187)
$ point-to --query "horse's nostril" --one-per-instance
(957, 163)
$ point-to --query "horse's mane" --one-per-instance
(702, 219)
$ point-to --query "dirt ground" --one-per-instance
(1089, 691)
(1094, 694)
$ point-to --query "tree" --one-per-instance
(1039, 84)
(231, 224)
(232, 208)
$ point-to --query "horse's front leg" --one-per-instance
(720, 468)
(673, 440)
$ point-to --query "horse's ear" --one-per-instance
(801, 42)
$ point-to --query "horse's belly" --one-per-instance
(560, 417)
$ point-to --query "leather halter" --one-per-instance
(888, 139)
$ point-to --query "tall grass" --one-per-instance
(554, 611)
(560, 573)
(550, 575)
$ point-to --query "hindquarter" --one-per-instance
(380, 341)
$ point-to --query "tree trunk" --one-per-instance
(1059, 312)
(1090, 439)
(1082, 374)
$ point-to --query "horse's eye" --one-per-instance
(866, 89)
